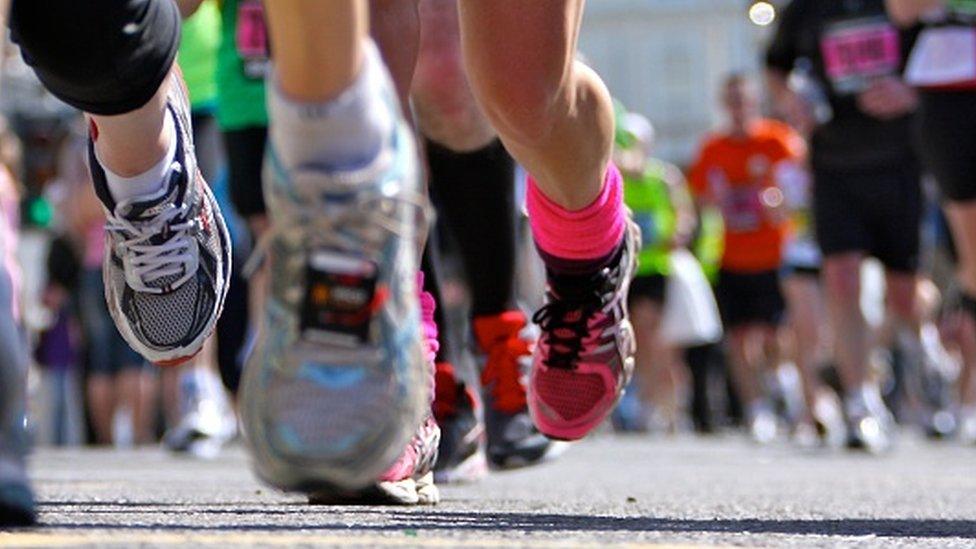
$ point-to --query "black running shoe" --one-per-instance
(513, 440)
(462, 447)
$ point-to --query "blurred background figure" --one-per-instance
(857, 112)
(198, 415)
(58, 352)
(943, 68)
(736, 171)
(657, 194)
(119, 382)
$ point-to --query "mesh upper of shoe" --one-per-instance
(570, 394)
(163, 317)
(312, 416)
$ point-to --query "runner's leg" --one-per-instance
(343, 198)
(142, 163)
(555, 116)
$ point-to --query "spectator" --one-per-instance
(58, 351)
(117, 377)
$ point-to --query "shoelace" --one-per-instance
(503, 373)
(147, 262)
(565, 320)
(565, 324)
(370, 211)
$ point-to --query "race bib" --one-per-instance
(943, 56)
(743, 210)
(252, 38)
(856, 52)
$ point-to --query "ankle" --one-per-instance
(147, 182)
(348, 131)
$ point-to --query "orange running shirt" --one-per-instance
(733, 172)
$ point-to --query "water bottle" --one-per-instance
(805, 84)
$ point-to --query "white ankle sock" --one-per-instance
(150, 181)
(346, 132)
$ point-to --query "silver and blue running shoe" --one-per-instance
(167, 256)
(338, 384)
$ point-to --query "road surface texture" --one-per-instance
(609, 490)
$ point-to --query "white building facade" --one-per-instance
(667, 58)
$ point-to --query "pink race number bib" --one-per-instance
(252, 38)
(854, 52)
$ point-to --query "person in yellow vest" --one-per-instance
(657, 194)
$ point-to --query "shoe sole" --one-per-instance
(15, 511)
(470, 470)
(407, 492)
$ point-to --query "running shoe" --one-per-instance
(631, 414)
(338, 382)
(167, 256)
(761, 422)
(869, 422)
(967, 425)
(462, 448)
(585, 355)
(410, 480)
(513, 440)
(207, 422)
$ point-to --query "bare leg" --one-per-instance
(806, 319)
(842, 279)
(392, 24)
(553, 113)
(318, 46)
(130, 144)
(447, 112)
(742, 363)
(101, 405)
(962, 219)
(129, 388)
(654, 360)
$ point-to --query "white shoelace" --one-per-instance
(371, 213)
(144, 262)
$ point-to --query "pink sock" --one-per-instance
(427, 307)
(570, 239)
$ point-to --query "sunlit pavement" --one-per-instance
(609, 490)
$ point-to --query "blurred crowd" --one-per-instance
(796, 280)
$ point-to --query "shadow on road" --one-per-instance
(197, 517)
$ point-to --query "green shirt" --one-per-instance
(709, 244)
(241, 65)
(198, 55)
(649, 198)
(964, 7)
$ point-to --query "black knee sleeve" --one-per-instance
(475, 195)
(104, 57)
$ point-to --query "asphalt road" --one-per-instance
(609, 490)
